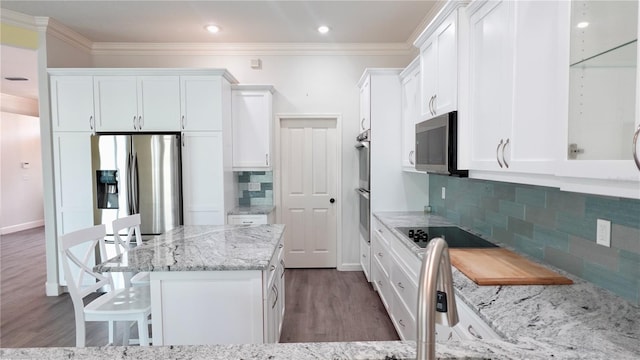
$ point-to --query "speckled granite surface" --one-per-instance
(549, 321)
(252, 210)
(202, 248)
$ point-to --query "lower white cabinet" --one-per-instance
(218, 307)
(397, 287)
(255, 219)
(203, 178)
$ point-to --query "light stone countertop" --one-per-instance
(202, 248)
(252, 210)
(579, 321)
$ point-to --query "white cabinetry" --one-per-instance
(219, 307)
(514, 89)
(410, 78)
(201, 103)
(137, 103)
(438, 45)
(365, 258)
(73, 183)
(365, 103)
(250, 219)
(252, 118)
(72, 103)
(203, 178)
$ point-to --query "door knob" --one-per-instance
(332, 200)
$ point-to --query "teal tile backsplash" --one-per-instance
(262, 197)
(554, 226)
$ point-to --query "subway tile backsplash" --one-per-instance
(262, 197)
(554, 226)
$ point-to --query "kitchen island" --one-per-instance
(212, 284)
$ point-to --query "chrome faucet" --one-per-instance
(435, 292)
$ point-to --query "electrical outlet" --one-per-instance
(443, 192)
(603, 233)
(254, 186)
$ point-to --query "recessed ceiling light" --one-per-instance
(16, 78)
(212, 29)
(583, 24)
(323, 29)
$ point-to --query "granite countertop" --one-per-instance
(252, 210)
(202, 248)
(540, 321)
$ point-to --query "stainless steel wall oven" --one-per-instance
(364, 184)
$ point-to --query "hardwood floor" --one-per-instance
(321, 304)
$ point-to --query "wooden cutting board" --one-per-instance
(496, 266)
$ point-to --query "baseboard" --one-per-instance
(350, 267)
(53, 289)
(24, 226)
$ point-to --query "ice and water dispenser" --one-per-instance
(107, 189)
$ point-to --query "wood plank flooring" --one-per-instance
(321, 304)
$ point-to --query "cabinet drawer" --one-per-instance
(406, 288)
(381, 283)
(246, 219)
(403, 319)
(380, 252)
(275, 264)
(470, 325)
(381, 231)
(365, 258)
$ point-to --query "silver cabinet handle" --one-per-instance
(411, 161)
(473, 332)
(182, 139)
(379, 283)
(401, 323)
(364, 256)
(247, 222)
(362, 123)
(135, 127)
(400, 285)
(273, 267)
(380, 254)
(435, 98)
(266, 159)
(275, 301)
(430, 105)
(281, 246)
(283, 268)
(635, 147)
(140, 122)
(450, 336)
(91, 122)
(503, 158)
(182, 122)
(498, 153)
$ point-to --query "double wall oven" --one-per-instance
(364, 185)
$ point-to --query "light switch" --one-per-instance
(603, 236)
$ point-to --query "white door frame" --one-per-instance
(277, 181)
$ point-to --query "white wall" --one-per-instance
(305, 84)
(21, 205)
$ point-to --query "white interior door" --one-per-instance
(309, 163)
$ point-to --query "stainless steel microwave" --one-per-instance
(437, 145)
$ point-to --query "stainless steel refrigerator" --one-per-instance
(137, 173)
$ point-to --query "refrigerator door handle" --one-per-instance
(129, 184)
(136, 185)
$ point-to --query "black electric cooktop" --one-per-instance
(454, 236)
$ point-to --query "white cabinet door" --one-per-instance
(439, 69)
(252, 117)
(202, 178)
(137, 103)
(158, 103)
(72, 103)
(365, 105)
(365, 258)
(490, 83)
(73, 183)
(201, 103)
(116, 99)
(410, 116)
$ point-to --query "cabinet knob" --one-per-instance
(332, 200)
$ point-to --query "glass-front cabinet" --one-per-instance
(603, 122)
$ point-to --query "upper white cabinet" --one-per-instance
(365, 103)
(600, 149)
(439, 58)
(137, 103)
(252, 116)
(72, 103)
(201, 103)
(410, 78)
(514, 90)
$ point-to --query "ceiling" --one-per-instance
(249, 22)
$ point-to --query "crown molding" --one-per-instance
(428, 18)
(265, 49)
(63, 33)
(21, 20)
